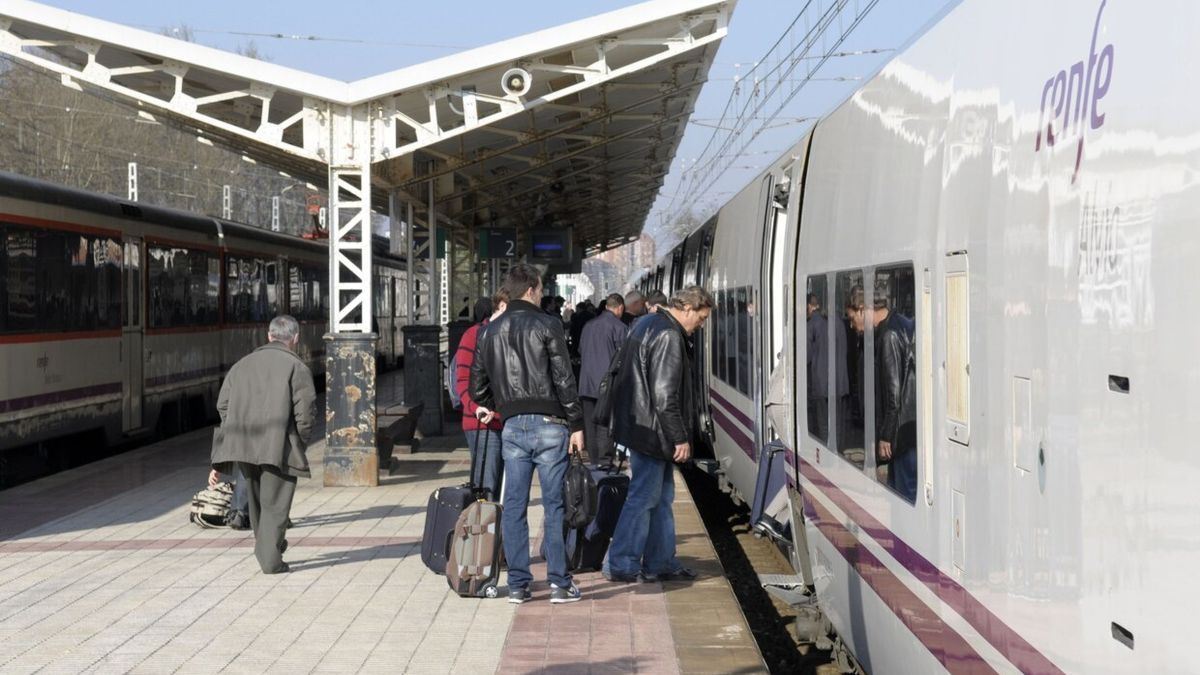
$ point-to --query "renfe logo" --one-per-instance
(1074, 98)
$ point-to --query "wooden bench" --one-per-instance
(396, 431)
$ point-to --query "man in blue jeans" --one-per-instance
(523, 371)
(654, 416)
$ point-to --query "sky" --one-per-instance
(359, 38)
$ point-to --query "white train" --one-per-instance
(119, 319)
(1020, 184)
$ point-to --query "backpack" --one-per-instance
(452, 384)
(210, 506)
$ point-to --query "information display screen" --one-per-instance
(550, 246)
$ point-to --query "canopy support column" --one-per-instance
(351, 458)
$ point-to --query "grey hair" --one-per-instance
(283, 329)
(692, 297)
(633, 296)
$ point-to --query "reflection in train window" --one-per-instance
(183, 285)
(720, 368)
(745, 326)
(306, 292)
(817, 335)
(58, 281)
(891, 317)
(250, 295)
(850, 411)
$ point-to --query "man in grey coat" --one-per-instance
(267, 406)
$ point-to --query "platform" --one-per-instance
(100, 571)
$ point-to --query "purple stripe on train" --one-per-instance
(1006, 640)
(946, 645)
(739, 437)
(731, 409)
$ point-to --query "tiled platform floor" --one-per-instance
(101, 572)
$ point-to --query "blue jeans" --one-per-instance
(529, 441)
(644, 540)
(486, 445)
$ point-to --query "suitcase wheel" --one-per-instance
(490, 591)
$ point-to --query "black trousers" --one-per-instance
(595, 436)
(270, 500)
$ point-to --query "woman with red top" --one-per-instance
(483, 439)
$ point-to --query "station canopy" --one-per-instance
(575, 125)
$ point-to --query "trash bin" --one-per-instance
(423, 376)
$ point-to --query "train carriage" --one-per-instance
(119, 319)
(1027, 221)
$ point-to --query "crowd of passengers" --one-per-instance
(524, 409)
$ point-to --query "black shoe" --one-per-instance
(681, 574)
(622, 578)
(283, 547)
(287, 524)
(238, 521)
(559, 596)
(518, 596)
(283, 568)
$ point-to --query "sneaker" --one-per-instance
(519, 595)
(238, 520)
(560, 595)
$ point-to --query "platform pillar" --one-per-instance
(351, 459)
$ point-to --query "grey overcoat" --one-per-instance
(267, 406)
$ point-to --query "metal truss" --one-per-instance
(350, 228)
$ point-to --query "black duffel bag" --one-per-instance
(579, 494)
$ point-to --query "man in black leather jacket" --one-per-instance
(895, 393)
(654, 416)
(522, 370)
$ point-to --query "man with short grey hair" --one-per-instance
(635, 306)
(267, 406)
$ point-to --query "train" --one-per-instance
(118, 319)
(1017, 191)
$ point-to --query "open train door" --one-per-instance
(132, 313)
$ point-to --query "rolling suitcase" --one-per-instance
(586, 547)
(441, 516)
(475, 551)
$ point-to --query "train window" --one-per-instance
(718, 336)
(400, 286)
(306, 291)
(745, 331)
(183, 286)
(817, 341)
(892, 318)
(59, 281)
(250, 290)
(958, 355)
(850, 412)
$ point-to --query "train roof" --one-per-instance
(45, 192)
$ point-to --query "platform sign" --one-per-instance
(498, 242)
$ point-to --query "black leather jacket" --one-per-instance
(895, 395)
(653, 398)
(521, 367)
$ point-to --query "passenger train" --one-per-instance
(118, 319)
(1019, 190)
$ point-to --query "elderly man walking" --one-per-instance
(267, 406)
(654, 416)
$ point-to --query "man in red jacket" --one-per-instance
(483, 439)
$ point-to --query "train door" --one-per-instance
(131, 338)
(774, 296)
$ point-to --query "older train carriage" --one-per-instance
(121, 318)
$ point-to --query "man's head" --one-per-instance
(499, 302)
(654, 300)
(523, 282)
(635, 303)
(559, 302)
(547, 304)
(483, 309)
(615, 304)
(859, 314)
(691, 306)
(285, 330)
(813, 304)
